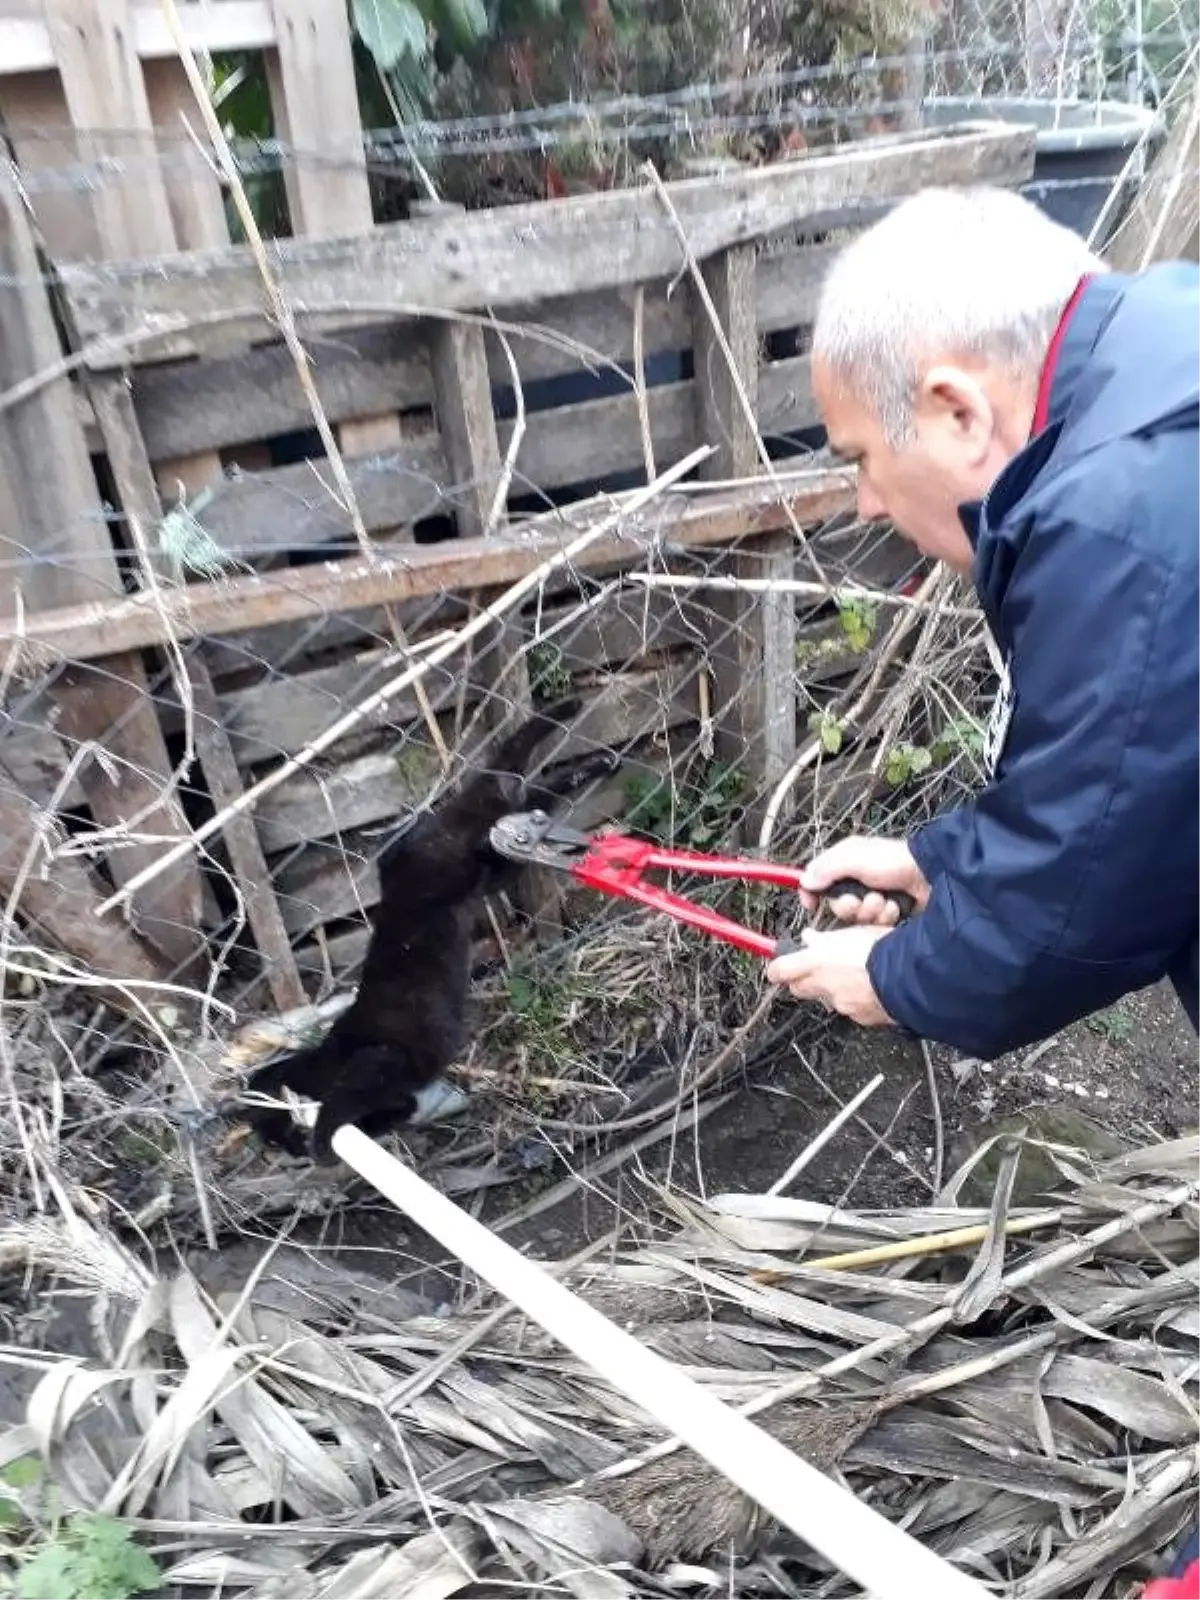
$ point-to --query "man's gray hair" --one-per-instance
(949, 273)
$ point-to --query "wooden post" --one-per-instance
(64, 530)
(462, 399)
(135, 483)
(314, 102)
(466, 419)
(1164, 220)
(753, 665)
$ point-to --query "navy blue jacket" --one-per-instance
(1072, 878)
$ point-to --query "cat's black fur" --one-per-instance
(407, 1022)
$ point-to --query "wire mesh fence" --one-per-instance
(887, 686)
(252, 628)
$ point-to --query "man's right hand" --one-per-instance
(882, 864)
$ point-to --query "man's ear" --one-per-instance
(955, 398)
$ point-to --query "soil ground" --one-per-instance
(1124, 1077)
(1132, 1073)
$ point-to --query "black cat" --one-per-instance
(407, 1022)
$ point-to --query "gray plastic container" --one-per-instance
(1083, 148)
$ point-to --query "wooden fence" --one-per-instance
(142, 362)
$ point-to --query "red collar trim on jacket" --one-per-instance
(1041, 413)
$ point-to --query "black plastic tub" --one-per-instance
(1084, 148)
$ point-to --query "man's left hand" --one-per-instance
(832, 968)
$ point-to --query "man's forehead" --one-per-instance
(848, 423)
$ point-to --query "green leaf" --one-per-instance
(49, 1575)
(898, 767)
(94, 1559)
(391, 30)
(23, 1473)
(920, 760)
(466, 21)
(828, 729)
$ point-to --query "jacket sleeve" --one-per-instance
(1072, 879)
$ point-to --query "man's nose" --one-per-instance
(870, 507)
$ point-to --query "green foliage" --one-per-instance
(828, 729)
(960, 734)
(392, 30)
(905, 761)
(1113, 1024)
(695, 812)
(858, 618)
(549, 675)
(88, 1558)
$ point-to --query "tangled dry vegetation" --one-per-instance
(1017, 1386)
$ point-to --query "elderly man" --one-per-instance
(1030, 419)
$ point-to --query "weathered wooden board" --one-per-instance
(62, 903)
(36, 760)
(279, 716)
(255, 394)
(371, 788)
(296, 507)
(516, 253)
(62, 553)
(295, 647)
(80, 632)
(242, 843)
(220, 401)
(26, 45)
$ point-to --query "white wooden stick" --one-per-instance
(888, 1562)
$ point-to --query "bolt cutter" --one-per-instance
(615, 864)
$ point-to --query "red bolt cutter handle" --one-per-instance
(614, 864)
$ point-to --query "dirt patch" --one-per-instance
(1124, 1077)
(1131, 1072)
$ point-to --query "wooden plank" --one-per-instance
(540, 251)
(63, 555)
(788, 283)
(462, 398)
(279, 715)
(721, 417)
(314, 102)
(242, 842)
(82, 632)
(216, 402)
(380, 784)
(62, 903)
(134, 479)
(138, 210)
(752, 636)
(194, 200)
(294, 508)
(573, 444)
(36, 761)
(35, 116)
(106, 94)
(329, 881)
(1163, 223)
(26, 47)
